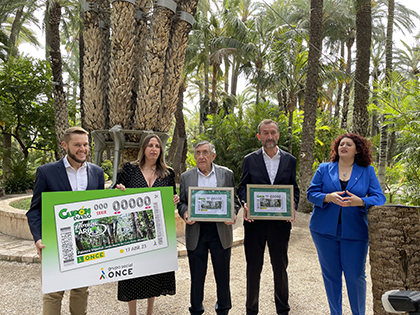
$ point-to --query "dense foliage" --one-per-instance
(26, 109)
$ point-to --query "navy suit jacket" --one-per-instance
(354, 223)
(53, 177)
(255, 172)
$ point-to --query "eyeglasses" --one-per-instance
(203, 153)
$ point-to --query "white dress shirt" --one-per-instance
(208, 180)
(78, 179)
(272, 164)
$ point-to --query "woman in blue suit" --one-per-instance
(342, 191)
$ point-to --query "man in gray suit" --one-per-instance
(202, 237)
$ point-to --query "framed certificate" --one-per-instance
(270, 202)
(212, 204)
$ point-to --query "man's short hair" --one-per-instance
(266, 122)
(211, 145)
(73, 130)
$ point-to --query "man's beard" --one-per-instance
(269, 144)
(75, 158)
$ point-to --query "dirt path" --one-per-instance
(20, 286)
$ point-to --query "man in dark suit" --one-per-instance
(268, 165)
(71, 173)
(204, 236)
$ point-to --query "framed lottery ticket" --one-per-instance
(214, 204)
(270, 202)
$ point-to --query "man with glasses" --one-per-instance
(202, 237)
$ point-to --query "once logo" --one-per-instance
(120, 273)
(90, 257)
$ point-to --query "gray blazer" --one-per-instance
(224, 177)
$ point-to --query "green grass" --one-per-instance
(22, 204)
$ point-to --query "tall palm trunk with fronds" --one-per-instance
(340, 85)
(310, 104)
(346, 99)
(175, 57)
(96, 65)
(361, 87)
(61, 117)
(388, 72)
(152, 70)
(121, 78)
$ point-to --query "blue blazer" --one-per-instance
(53, 177)
(354, 223)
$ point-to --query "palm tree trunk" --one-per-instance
(149, 96)
(361, 87)
(340, 85)
(96, 67)
(382, 155)
(226, 61)
(310, 104)
(81, 69)
(346, 99)
(213, 102)
(16, 25)
(122, 65)
(374, 123)
(7, 153)
(291, 109)
(388, 71)
(175, 57)
(61, 118)
(234, 78)
(180, 155)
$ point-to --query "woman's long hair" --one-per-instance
(363, 156)
(162, 169)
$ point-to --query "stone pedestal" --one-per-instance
(13, 221)
(394, 233)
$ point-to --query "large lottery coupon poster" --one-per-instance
(100, 236)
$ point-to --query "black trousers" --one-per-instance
(220, 257)
(276, 234)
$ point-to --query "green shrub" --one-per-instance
(108, 169)
(20, 177)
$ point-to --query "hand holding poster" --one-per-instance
(110, 235)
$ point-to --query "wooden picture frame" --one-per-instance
(270, 202)
(211, 204)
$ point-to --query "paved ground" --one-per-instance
(20, 284)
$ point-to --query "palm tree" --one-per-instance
(378, 55)
(175, 58)
(401, 17)
(13, 17)
(388, 74)
(361, 88)
(96, 65)
(121, 105)
(149, 101)
(61, 117)
(408, 60)
(311, 98)
(289, 64)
